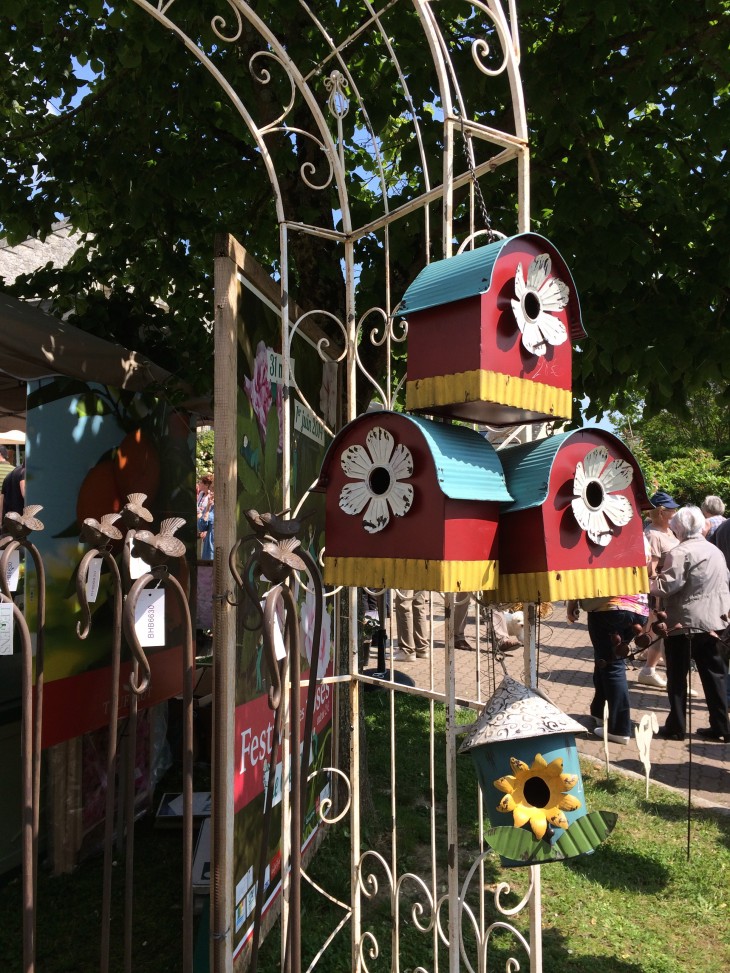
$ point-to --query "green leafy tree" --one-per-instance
(629, 118)
(204, 446)
(687, 454)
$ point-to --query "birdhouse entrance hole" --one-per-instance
(536, 792)
(379, 480)
(531, 305)
(593, 494)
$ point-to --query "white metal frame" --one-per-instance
(330, 90)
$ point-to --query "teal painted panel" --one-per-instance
(527, 469)
(467, 465)
(452, 279)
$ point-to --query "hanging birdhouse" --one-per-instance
(574, 527)
(411, 503)
(524, 752)
(491, 333)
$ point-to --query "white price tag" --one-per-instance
(279, 646)
(92, 580)
(137, 566)
(13, 574)
(6, 628)
(149, 617)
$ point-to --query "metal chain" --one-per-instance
(469, 155)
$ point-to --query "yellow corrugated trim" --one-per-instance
(483, 386)
(583, 583)
(386, 572)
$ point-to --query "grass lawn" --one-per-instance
(635, 906)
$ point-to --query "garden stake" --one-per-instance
(101, 534)
(17, 527)
(158, 551)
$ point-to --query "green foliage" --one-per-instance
(629, 117)
(686, 454)
(204, 446)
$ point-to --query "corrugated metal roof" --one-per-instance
(467, 465)
(527, 469)
(470, 273)
(452, 279)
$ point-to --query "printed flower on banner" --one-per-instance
(306, 624)
(595, 501)
(538, 795)
(538, 299)
(258, 387)
(378, 471)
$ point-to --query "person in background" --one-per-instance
(713, 508)
(206, 528)
(461, 610)
(608, 617)
(412, 622)
(661, 540)
(12, 492)
(5, 465)
(721, 540)
(693, 585)
(505, 641)
(205, 485)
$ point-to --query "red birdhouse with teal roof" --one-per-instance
(411, 503)
(574, 527)
(491, 333)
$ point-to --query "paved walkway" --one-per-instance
(565, 673)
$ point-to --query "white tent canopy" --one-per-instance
(12, 437)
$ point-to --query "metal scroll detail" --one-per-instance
(100, 535)
(146, 560)
(481, 935)
(160, 551)
(276, 555)
(15, 537)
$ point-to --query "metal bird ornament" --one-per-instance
(159, 548)
(277, 558)
(20, 525)
(134, 513)
(274, 525)
(100, 533)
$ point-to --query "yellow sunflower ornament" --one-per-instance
(531, 786)
(538, 795)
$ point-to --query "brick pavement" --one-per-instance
(565, 673)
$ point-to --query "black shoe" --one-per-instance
(709, 734)
(664, 734)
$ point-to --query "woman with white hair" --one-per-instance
(713, 508)
(694, 587)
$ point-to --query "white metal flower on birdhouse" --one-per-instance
(378, 471)
(537, 298)
(595, 501)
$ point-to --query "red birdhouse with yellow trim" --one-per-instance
(411, 503)
(491, 332)
(574, 527)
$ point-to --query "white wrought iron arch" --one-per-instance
(454, 118)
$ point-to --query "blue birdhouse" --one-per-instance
(524, 751)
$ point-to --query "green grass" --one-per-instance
(635, 906)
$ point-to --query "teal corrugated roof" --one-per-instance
(527, 469)
(452, 279)
(470, 273)
(467, 465)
